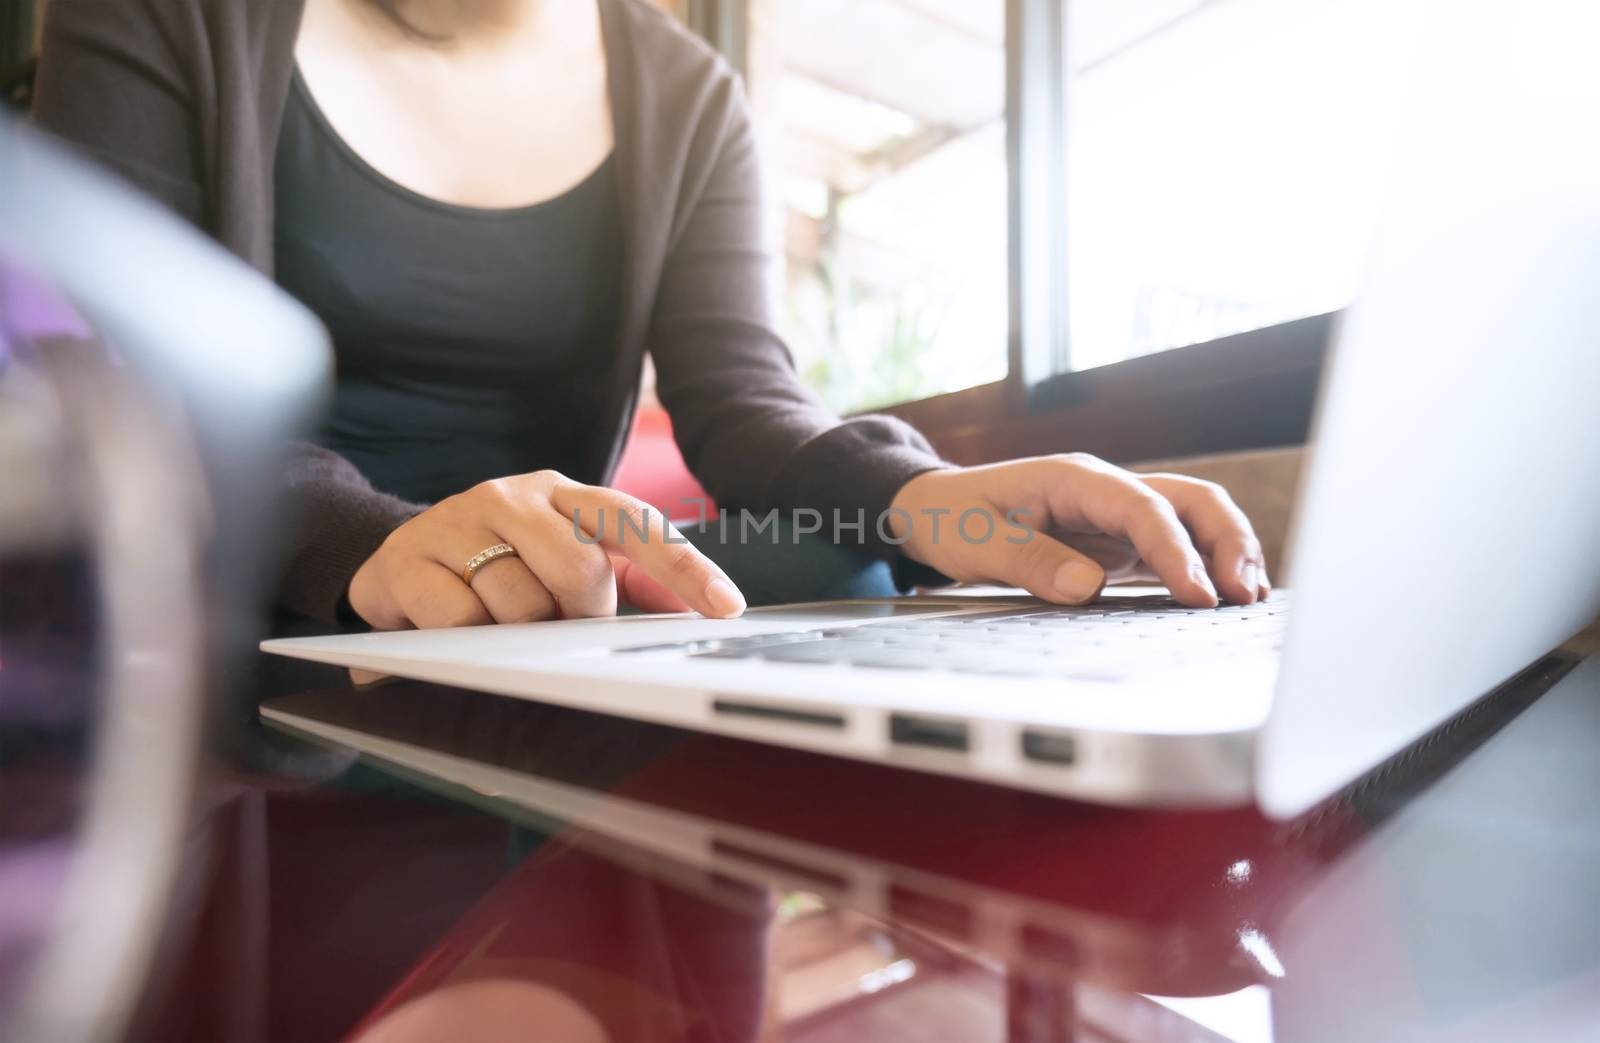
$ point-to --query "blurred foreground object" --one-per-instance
(148, 384)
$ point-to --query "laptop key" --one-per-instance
(808, 652)
(890, 659)
(1109, 638)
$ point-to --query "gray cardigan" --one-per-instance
(185, 98)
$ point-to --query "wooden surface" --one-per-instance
(1264, 484)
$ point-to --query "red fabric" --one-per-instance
(653, 470)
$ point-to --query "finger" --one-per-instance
(577, 573)
(432, 596)
(512, 593)
(630, 528)
(1117, 503)
(1114, 554)
(1221, 532)
(638, 588)
(378, 605)
(507, 588)
(1046, 568)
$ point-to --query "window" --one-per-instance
(1225, 164)
(883, 125)
(1046, 197)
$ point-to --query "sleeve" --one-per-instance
(340, 520)
(110, 82)
(750, 432)
(113, 83)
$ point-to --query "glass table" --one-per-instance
(429, 863)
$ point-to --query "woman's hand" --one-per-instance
(414, 579)
(1063, 525)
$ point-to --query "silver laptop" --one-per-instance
(1446, 538)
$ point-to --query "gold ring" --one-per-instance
(482, 558)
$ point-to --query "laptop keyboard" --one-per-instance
(1108, 640)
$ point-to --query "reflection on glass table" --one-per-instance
(679, 886)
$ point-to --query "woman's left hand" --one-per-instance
(1061, 526)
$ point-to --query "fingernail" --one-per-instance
(1197, 572)
(725, 598)
(1247, 576)
(1079, 581)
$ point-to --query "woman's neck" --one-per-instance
(481, 21)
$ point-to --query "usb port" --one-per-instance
(1049, 747)
(774, 712)
(928, 732)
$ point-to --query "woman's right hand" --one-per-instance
(414, 578)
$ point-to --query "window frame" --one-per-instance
(1250, 390)
(19, 24)
(725, 25)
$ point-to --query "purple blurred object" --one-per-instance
(30, 310)
(30, 878)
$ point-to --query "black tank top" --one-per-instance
(470, 343)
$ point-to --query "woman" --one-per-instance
(497, 206)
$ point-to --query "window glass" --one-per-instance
(1225, 163)
(884, 134)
